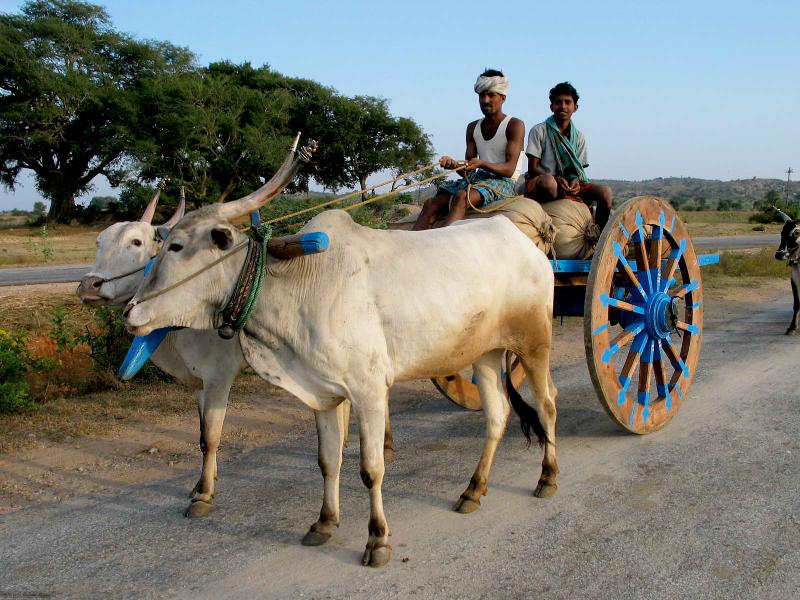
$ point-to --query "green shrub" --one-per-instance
(14, 364)
(768, 213)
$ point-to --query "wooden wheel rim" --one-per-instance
(648, 296)
(463, 391)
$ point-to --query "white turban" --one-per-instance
(496, 84)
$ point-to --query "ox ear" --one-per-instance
(222, 237)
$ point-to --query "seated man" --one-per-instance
(494, 145)
(557, 158)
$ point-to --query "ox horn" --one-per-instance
(784, 217)
(173, 220)
(150, 209)
(286, 172)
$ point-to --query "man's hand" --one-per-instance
(448, 162)
(569, 187)
(474, 164)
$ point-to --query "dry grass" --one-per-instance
(31, 310)
(746, 268)
(95, 414)
(70, 244)
(712, 223)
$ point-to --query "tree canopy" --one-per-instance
(68, 96)
(80, 99)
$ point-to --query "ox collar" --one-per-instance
(239, 306)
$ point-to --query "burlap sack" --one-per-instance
(576, 231)
(526, 214)
(529, 218)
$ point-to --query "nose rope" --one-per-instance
(107, 279)
(180, 282)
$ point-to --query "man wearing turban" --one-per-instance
(556, 153)
(494, 150)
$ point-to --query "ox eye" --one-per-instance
(137, 242)
(175, 247)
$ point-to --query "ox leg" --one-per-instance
(330, 436)
(344, 422)
(212, 402)
(372, 427)
(796, 316)
(388, 440)
(537, 370)
(490, 385)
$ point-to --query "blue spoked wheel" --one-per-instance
(643, 319)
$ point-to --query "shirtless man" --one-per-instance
(494, 145)
(556, 153)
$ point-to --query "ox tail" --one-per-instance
(528, 417)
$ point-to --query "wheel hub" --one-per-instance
(661, 315)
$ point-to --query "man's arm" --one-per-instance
(447, 162)
(515, 132)
(535, 167)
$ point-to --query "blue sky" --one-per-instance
(702, 89)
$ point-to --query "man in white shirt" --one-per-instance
(494, 146)
(556, 153)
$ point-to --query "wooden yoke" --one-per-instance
(292, 246)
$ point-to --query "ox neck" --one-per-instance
(237, 310)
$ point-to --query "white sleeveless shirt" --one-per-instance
(494, 150)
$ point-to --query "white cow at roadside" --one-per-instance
(377, 308)
(201, 360)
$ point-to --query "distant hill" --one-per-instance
(702, 193)
(689, 191)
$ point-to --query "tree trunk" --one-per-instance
(228, 189)
(62, 209)
(363, 181)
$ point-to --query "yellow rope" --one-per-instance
(372, 187)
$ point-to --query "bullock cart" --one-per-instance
(641, 297)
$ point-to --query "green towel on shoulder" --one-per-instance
(569, 166)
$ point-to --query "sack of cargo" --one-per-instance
(576, 231)
(528, 216)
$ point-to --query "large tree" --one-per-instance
(212, 133)
(358, 136)
(69, 96)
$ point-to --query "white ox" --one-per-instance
(377, 308)
(199, 359)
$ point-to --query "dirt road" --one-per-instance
(706, 508)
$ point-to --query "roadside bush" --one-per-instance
(65, 361)
(14, 362)
(768, 211)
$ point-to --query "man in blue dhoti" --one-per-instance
(494, 149)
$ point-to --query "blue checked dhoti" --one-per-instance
(491, 187)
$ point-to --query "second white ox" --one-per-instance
(377, 308)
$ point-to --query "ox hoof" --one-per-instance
(466, 506)
(315, 538)
(389, 454)
(376, 557)
(198, 510)
(545, 490)
(791, 332)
